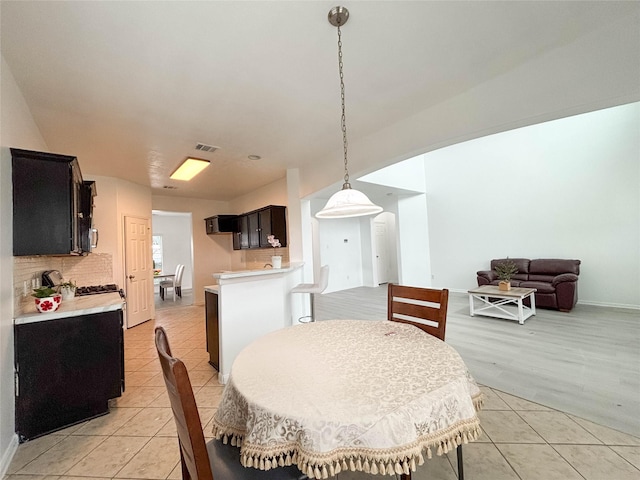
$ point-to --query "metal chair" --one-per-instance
(312, 289)
(202, 460)
(175, 283)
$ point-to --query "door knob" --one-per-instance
(131, 277)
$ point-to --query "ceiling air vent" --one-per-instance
(170, 187)
(202, 147)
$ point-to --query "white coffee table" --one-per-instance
(493, 302)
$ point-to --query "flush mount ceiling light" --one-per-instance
(347, 202)
(189, 169)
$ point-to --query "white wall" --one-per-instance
(17, 129)
(211, 253)
(341, 248)
(175, 229)
(562, 189)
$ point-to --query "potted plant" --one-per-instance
(505, 271)
(68, 290)
(276, 260)
(47, 299)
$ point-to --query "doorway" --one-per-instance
(172, 234)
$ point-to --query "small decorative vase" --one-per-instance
(68, 293)
(48, 304)
(276, 261)
(504, 286)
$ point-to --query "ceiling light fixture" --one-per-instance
(254, 157)
(189, 169)
(347, 202)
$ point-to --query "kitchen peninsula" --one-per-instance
(245, 305)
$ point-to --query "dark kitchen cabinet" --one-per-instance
(46, 203)
(254, 230)
(254, 227)
(66, 370)
(212, 325)
(241, 235)
(220, 224)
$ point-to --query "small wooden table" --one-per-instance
(493, 302)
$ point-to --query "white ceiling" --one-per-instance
(131, 87)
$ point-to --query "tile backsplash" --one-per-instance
(258, 258)
(92, 269)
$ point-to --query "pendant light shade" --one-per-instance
(347, 202)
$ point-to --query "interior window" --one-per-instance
(156, 251)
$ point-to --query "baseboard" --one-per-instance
(610, 305)
(7, 456)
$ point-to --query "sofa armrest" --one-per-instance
(565, 277)
(490, 275)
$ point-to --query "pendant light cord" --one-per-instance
(343, 120)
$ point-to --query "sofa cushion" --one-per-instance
(521, 263)
(553, 266)
(541, 287)
(541, 278)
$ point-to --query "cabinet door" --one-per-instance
(66, 371)
(278, 223)
(241, 236)
(254, 230)
(264, 217)
(54, 181)
(212, 324)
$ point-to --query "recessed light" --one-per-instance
(254, 157)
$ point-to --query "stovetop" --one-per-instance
(97, 289)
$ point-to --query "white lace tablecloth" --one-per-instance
(372, 396)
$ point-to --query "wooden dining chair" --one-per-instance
(202, 460)
(423, 307)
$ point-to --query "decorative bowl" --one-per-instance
(48, 304)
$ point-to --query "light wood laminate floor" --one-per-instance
(585, 362)
(522, 440)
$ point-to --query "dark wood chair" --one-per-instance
(425, 308)
(201, 460)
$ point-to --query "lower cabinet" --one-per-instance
(213, 332)
(66, 370)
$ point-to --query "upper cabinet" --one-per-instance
(46, 203)
(253, 228)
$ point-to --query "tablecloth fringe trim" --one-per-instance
(402, 462)
(478, 402)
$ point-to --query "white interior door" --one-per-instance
(138, 271)
(382, 255)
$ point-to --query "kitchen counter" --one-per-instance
(249, 304)
(234, 274)
(77, 306)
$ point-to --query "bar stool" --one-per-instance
(312, 289)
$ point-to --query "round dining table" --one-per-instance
(336, 395)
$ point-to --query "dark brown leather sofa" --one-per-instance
(556, 280)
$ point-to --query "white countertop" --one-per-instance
(77, 306)
(228, 274)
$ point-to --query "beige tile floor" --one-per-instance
(137, 440)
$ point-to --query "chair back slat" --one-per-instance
(193, 448)
(423, 307)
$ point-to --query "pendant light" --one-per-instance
(347, 202)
